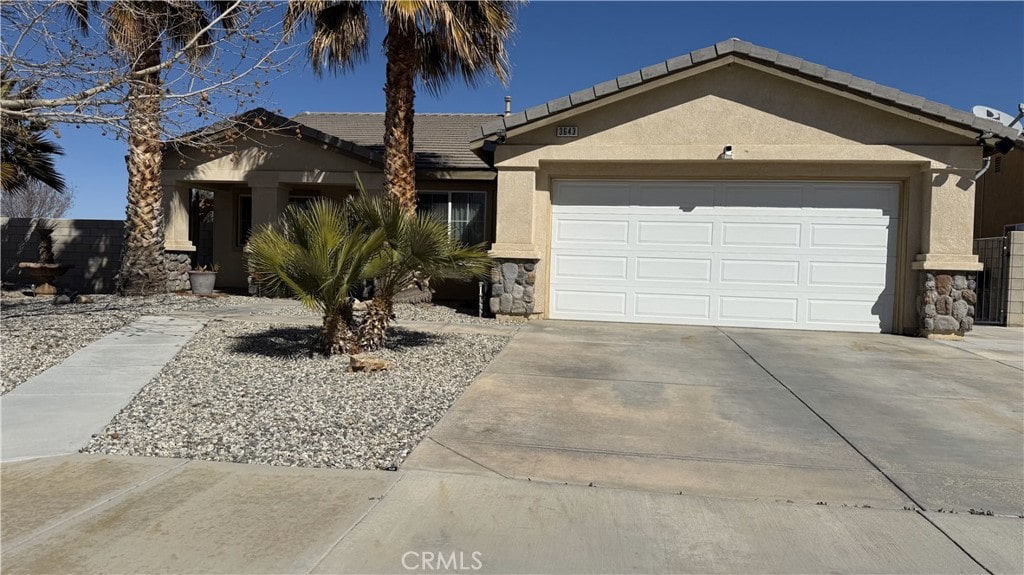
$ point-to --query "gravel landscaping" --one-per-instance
(251, 393)
(36, 335)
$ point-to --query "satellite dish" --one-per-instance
(997, 116)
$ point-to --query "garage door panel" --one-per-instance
(755, 309)
(847, 274)
(760, 235)
(849, 236)
(590, 302)
(762, 196)
(844, 311)
(669, 305)
(592, 231)
(869, 199)
(650, 233)
(591, 267)
(760, 272)
(801, 255)
(591, 197)
(673, 269)
(655, 196)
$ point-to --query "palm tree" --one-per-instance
(415, 245)
(137, 31)
(320, 252)
(26, 156)
(427, 40)
(314, 253)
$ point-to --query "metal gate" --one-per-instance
(993, 281)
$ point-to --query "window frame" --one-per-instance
(448, 217)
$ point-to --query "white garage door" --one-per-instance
(801, 255)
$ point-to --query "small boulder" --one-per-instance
(61, 300)
(84, 299)
(368, 363)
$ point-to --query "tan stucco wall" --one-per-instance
(1015, 285)
(1000, 197)
(779, 129)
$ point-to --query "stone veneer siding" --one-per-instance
(178, 266)
(946, 304)
(512, 286)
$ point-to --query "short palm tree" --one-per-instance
(314, 253)
(137, 32)
(427, 40)
(26, 155)
(415, 245)
(321, 252)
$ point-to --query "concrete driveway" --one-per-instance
(807, 417)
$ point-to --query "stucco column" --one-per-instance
(947, 264)
(177, 196)
(947, 230)
(268, 201)
(514, 229)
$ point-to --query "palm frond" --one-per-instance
(340, 32)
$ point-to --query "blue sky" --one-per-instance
(956, 53)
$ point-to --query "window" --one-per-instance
(243, 219)
(464, 212)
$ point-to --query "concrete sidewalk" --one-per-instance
(57, 411)
(106, 514)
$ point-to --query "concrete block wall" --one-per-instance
(93, 247)
(1015, 294)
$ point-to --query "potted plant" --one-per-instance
(203, 279)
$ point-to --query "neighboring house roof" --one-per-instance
(441, 141)
(765, 56)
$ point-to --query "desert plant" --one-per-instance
(320, 251)
(313, 253)
(412, 247)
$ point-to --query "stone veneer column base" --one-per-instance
(178, 266)
(945, 308)
(512, 287)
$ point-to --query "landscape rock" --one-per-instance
(960, 309)
(969, 296)
(84, 299)
(368, 363)
(61, 299)
(946, 323)
(943, 284)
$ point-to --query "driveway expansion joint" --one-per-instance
(920, 509)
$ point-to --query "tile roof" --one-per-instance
(441, 141)
(758, 54)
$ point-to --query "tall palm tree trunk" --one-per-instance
(399, 94)
(143, 267)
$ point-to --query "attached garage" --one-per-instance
(801, 255)
(736, 186)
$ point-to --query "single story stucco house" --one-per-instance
(731, 186)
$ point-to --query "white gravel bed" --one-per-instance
(248, 393)
(35, 335)
(428, 312)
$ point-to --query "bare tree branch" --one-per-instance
(77, 80)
